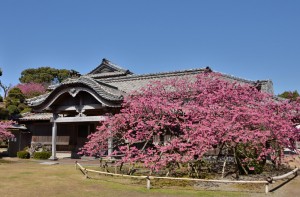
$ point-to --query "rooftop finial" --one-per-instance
(208, 69)
(104, 60)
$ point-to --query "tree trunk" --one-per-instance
(168, 172)
(121, 166)
(240, 164)
(237, 171)
(224, 165)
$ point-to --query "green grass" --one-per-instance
(4, 161)
(27, 178)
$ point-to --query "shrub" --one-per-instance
(26, 110)
(255, 167)
(23, 154)
(42, 155)
(4, 114)
(16, 93)
(13, 110)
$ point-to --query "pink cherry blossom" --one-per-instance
(31, 89)
(4, 133)
(179, 120)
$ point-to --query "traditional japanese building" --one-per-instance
(71, 110)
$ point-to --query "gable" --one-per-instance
(107, 67)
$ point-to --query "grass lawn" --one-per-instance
(29, 178)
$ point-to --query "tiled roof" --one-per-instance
(113, 82)
(37, 100)
(131, 83)
(35, 116)
(106, 91)
(52, 87)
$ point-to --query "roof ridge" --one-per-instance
(107, 75)
(113, 64)
(236, 78)
(106, 62)
(156, 75)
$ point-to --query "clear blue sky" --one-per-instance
(257, 39)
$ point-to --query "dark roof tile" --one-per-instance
(114, 84)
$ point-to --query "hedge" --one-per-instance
(42, 155)
(23, 154)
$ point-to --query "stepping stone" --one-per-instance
(49, 163)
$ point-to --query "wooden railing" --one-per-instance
(47, 140)
(148, 179)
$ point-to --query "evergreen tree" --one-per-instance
(44, 75)
(292, 95)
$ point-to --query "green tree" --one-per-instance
(15, 96)
(13, 110)
(4, 114)
(4, 111)
(15, 102)
(44, 75)
(4, 87)
(292, 95)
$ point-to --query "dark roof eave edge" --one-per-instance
(110, 97)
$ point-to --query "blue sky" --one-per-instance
(257, 39)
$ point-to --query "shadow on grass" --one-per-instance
(282, 184)
(4, 161)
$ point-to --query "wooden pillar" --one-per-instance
(110, 146)
(54, 134)
(148, 184)
(267, 188)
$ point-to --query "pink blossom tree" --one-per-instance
(180, 120)
(31, 89)
(4, 133)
